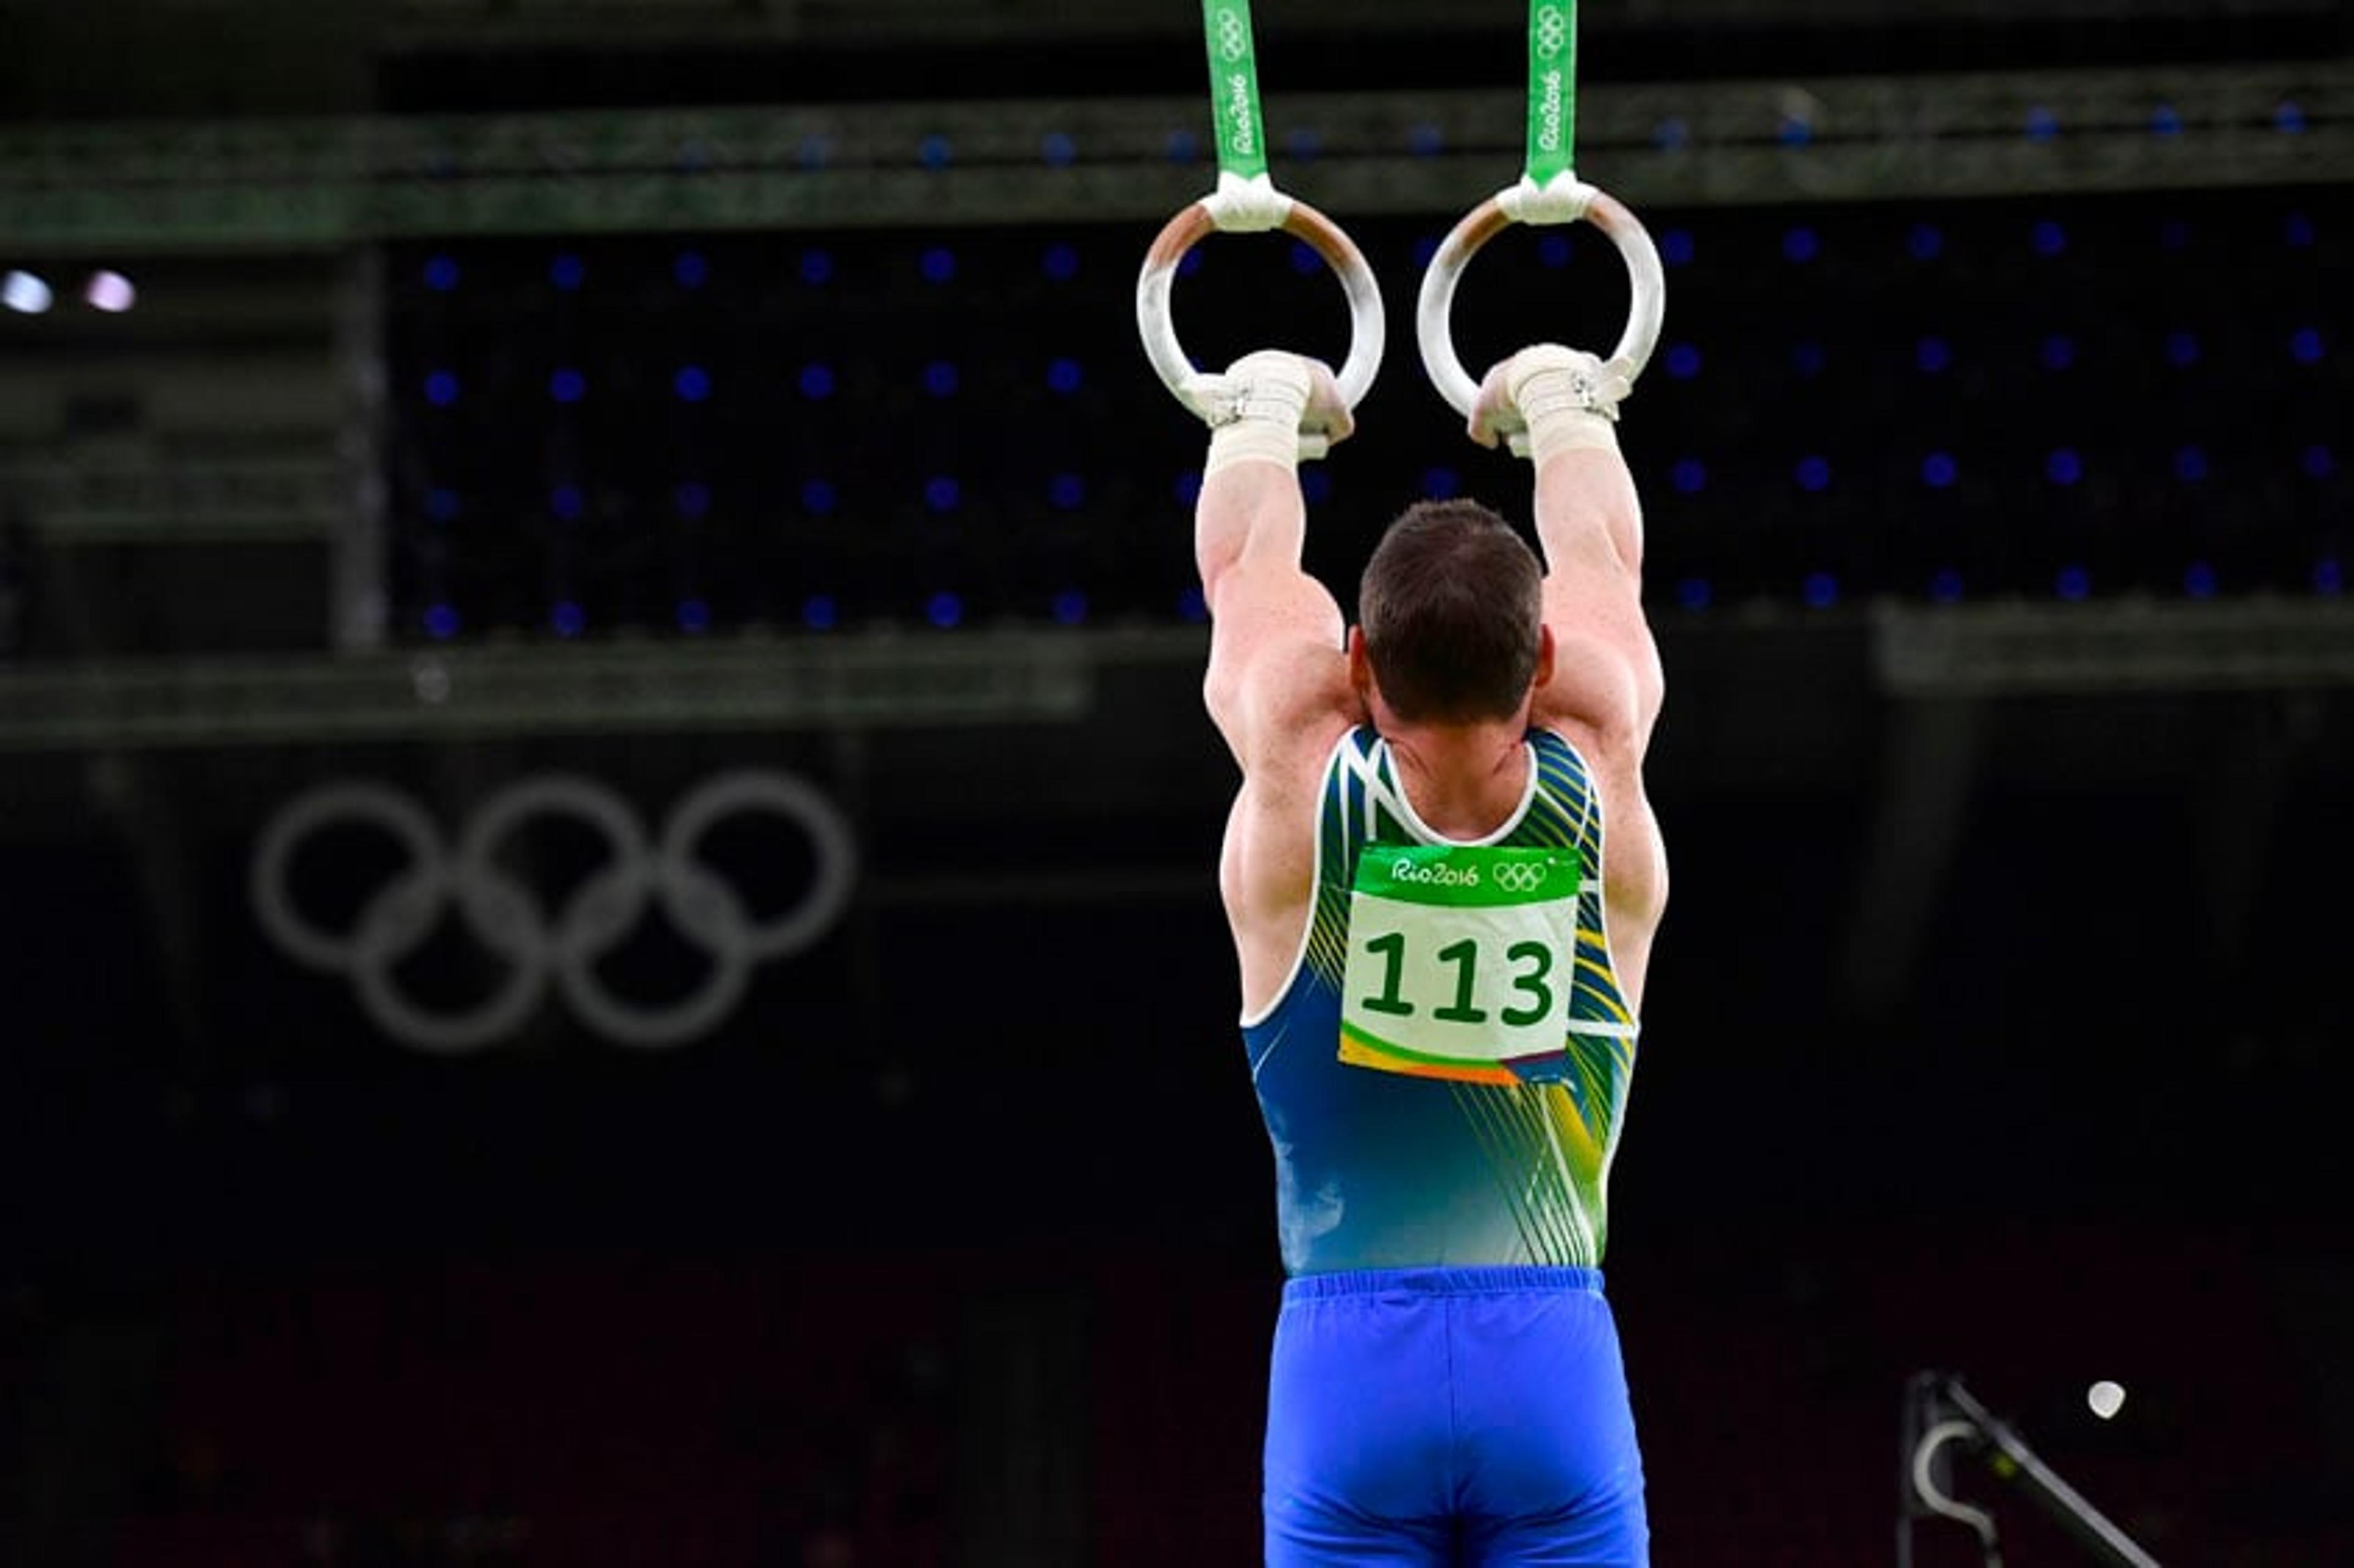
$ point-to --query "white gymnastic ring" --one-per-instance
(1435, 333)
(1158, 327)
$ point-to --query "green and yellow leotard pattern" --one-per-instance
(1399, 1155)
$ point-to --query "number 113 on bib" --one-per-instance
(1459, 962)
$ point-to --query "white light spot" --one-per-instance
(25, 293)
(2107, 1398)
(111, 292)
(431, 679)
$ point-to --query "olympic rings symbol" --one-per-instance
(1553, 30)
(1520, 876)
(1233, 36)
(563, 946)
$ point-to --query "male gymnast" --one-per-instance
(1441, 971)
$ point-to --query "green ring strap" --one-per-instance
(1553, 89)
(1234, 88)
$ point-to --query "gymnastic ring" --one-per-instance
(1158, 327)
(1646, 307)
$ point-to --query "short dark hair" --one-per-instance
(1450, 605)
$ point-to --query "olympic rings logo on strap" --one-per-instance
(1520, 875)
(562, 946)
(1233, 36)
(1552, 30)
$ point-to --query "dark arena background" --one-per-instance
(609, 948)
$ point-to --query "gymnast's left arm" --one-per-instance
(1277, 682)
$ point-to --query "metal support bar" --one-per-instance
(2114, 647)
(307, 185)
(743, 683)
(296, 493)
(768, 681)
(2011, 1459)
(359, 607)
(478, 25)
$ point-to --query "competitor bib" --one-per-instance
(1459, 962)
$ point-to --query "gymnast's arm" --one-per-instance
(1278, 687)
(1278, 679)
(1606, 686)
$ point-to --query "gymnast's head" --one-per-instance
(1450, 620)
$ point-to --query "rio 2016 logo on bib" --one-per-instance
(1459, 962)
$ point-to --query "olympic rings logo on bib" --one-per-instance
(1521, 876)
(560, 946)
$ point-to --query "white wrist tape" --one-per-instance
(1253, 410)
(1253, 440)
(1570, 430)
(1569, 399)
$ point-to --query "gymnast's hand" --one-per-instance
(1276, 391)
(1543, 384)
(1327, 413)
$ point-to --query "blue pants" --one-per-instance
(1450, 1417)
